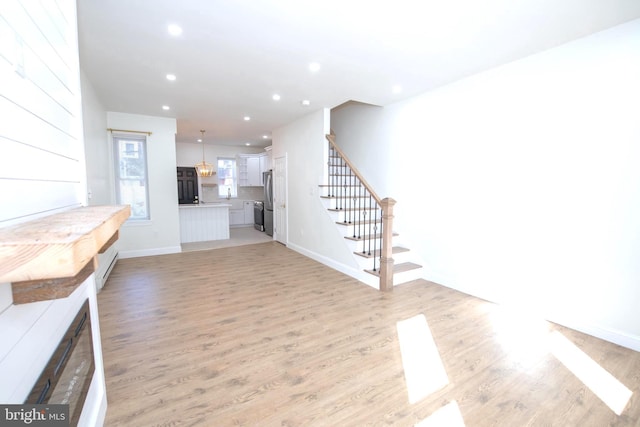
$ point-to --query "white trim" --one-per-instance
(94, 415)
(611, 335)
(277, 235)
(366, 278)
(132, 222)
(150, 252)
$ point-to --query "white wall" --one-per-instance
(99, 169)
(100, 186)
(161, 234)
(42, 163)
(367, 124)
(310, 229)
(522, 185)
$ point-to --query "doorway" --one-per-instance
(280, 199)
(187, 185)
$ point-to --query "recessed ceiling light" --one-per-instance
(305, 102)
(199, 140)
(314, 66)
(265, 136)
(396, 89)
(166, 107)
(247, 143)
(171, 77)
(174, 30)
(247, 118)
(276, 97)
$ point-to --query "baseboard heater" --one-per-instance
(112, 264)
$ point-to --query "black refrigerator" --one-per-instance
(268, 202)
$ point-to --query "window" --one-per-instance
(227, 181)
(131, 174)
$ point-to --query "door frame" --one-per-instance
(278, 235)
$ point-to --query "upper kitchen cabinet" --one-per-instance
(265, 163)
(250, 170)
(253, 171)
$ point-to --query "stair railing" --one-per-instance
(370, 217)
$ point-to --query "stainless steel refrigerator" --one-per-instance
(268, 202)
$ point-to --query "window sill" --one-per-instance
(137, 223)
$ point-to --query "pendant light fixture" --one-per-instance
(204, 169)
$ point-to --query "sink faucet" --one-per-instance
(228, 193)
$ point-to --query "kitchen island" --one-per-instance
(204, 222)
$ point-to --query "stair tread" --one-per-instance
(378, 221)
(353, 209)
(344, 197)
(394, 250)
(365, 237)
(398, 268)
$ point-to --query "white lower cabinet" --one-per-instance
(236, 217)
(248, 212)
(241, 212)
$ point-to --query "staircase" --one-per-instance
(366, 221)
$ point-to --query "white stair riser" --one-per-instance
(334, 203)
(356, 216)
(364, 229)
(340, 179)
(362, 245)
(408, 276)
(399, 258)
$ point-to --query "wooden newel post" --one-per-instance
(386, 260)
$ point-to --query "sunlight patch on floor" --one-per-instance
(527, 340)
(522, 336)
(604, 385)
(423, 369)
(449, 416)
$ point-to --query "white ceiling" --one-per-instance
(233, 55)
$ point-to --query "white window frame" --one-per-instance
(222, 187)
(143, 178)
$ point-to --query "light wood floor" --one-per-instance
(259, 335)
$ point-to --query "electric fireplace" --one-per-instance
(65, 379)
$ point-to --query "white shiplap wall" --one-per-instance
(41, 166)
(42, 171)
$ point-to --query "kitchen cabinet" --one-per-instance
(236, 216)
(248, 212)
(249, 173)
(241, 212)
(265, 165)
(241, 164)
(253, 171)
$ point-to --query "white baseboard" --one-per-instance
(150, 252)
(623, 339)
(620, 338)
(365, 278)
